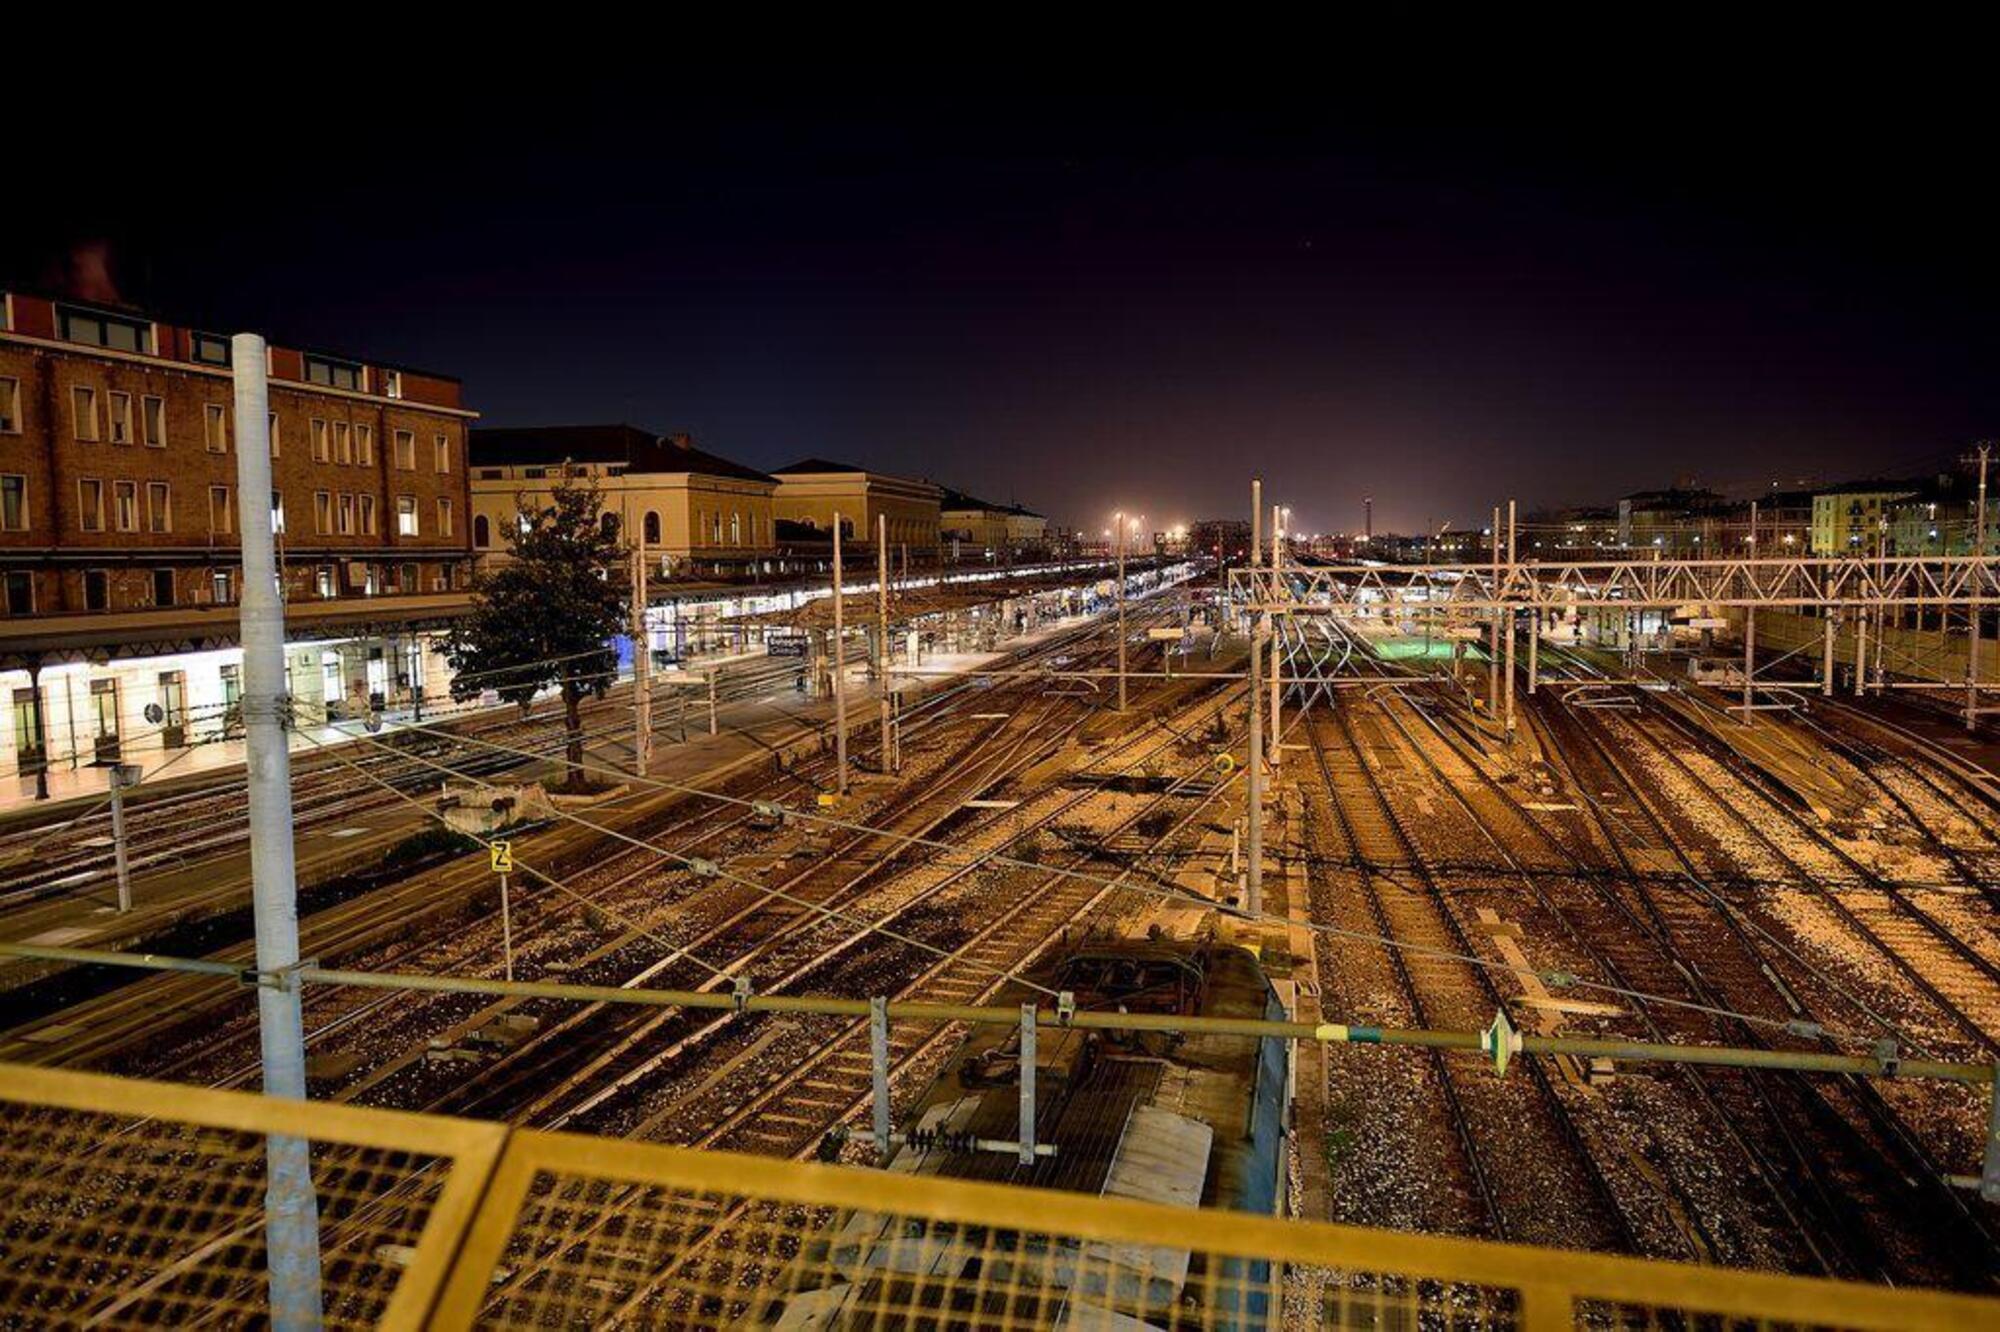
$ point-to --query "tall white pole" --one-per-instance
(1277, 585)
(1120, 520)
(889, 755)
(839, 690)
(642, 665)
(1507, 618)
(122, 776)
(1253, 774)
(1978, 585)
(1493, 637)
(291, 1208)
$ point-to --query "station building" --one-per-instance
(118, 530)
(812, 490)
(698, 514)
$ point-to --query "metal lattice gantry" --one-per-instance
(1805, 581)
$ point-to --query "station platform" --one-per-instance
(173, 898)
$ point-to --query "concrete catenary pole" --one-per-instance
(889, 756)
(1979, 586)
(642, 664)
(1493, 634)
(1507, 619)
(1277, 587)
(291, 1208)
(1119, 518)
(839, 689)
(122, 775)
(1253, 772)
(1750, 633)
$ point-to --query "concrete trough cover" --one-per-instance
(1162, 1158)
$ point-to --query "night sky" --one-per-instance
(1088, 303)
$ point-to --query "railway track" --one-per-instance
(1844, 1152)
(400, 925)
(1546, 1154)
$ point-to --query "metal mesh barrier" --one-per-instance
(108, 1219)
(113, 1220)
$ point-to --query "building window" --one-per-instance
(392, 383)
(322, 512)
(274, 434)
(20, 593)
(215, 427)
(346, 511)
(482, 531)
(444, 518)
(322, 452)
(104, 330)
(367, 515)
(278, 512)
(159, 507)
(163, 587)
(406, 450)
(220, 523)
(735, 529)
(153, 422)
(333, 374)
(364, 445)
(96, 592)
(90, 505)
(406, 515)
(221, 588)
(10, 406)
(120, 405)
(125, 505)
(209, 349)
(83, 406)
(343, 444)
(441, 452)
(324, 582)
(13, 503)
(651, 528)
(409, 581)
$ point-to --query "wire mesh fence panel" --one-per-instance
(108, 1219)
(116, 1222)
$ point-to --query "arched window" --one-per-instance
(482, 531)
(651, 528)
(735, 528)
(608, 524)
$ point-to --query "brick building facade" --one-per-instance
(118, 472)
(119, 555)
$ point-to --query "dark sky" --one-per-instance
(1088, 302)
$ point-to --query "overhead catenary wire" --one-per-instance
(710, 869)
(676, 951)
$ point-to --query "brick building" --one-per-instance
(118, 515)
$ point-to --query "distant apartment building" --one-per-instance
(695, 511)
(1850, 519)
(119, 515)
(812, 490)
(1939, 518)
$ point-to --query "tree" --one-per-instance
(546, 617)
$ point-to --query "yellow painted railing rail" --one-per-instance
(127, 1203)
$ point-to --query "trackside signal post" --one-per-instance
(291, 1222)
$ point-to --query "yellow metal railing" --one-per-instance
(128, 1203)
